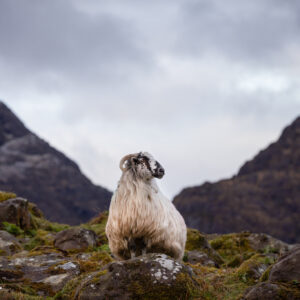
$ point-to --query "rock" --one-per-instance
(253, 268)
(15, 211)
(75, 239)
(271, 291)
(46, 273)
(151, 276)
(197, 241)
(266, 243)
(196, 257)
(8, 243)
(288, 267)
(264, 290)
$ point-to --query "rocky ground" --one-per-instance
(45, 260)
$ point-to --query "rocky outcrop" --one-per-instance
(152, 276)
(262, 197)
(15, 211)
(30, 167)
(283, 280)
(8, 243)
(287, 268)
(75, 239)
(63, 262)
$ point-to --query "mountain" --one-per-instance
(263, 197)
(33, 169)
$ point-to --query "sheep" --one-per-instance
(141, 219)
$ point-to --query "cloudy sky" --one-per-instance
(201, 84)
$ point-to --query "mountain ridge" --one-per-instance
(262, 197)
(34, 169)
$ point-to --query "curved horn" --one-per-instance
(123, 160)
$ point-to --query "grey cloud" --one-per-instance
(256, 31)
(55, 37)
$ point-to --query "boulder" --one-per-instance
(45, 273)
(15, 211)
(271, 291)
(151, 276)
(287, 268)
(8, 243)
(266, 243)
(283, 282)
(197, 241)
(75, 239)
(198, 257)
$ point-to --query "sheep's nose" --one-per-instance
(161, 171)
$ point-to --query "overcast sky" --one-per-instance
(203, 85)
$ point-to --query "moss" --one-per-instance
(41, 238)
(12, 228)
(230, 245)
(248, 270)
(88, 266)
(265, 275)
(9, 295)
(195, 240)
(6, 196)
(235, 261)
(69, 289)
(98, 276)
(46, 225)
(184, 285)
(288, 290)
(102, 256)
(103, 247)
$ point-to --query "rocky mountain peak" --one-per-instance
(282, 155)
(262, 197)
(32, 168)
(11, 127)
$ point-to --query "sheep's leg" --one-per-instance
(132, 248)
(132, 254)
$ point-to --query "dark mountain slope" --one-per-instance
(263, 197)
(33, 169)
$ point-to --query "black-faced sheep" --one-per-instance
(141, 219)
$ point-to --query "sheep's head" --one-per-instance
(143, 165)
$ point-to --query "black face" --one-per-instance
(147, 161)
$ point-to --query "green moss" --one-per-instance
(247, 271)
(104, 247)
(46, 225)
(230, 245)
(142, 288)
(6, 196)
(41, 238)
(12, 228)
(102, 257)
(195, 240)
